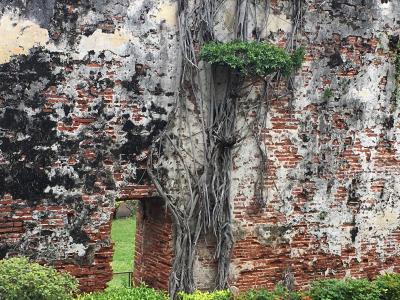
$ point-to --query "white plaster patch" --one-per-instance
(245, 162)
(226, 18)
(18, 36)
(77, 248)
(57, 190)
(366, 87)
(378, 224)
(229, 15)
(386, 8)
(100, 41)
(297, 252)
(369, 141)
(134, 8)
(166, 12)
(279, 22)
(385, 219)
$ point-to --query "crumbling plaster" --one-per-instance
(86, 87)
(333, 161)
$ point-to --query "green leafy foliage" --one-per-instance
(122, 293)
(22, 280)
(253, 58)
(328, 93)
(278, 293)
(389, 286)
(385, 287)
(349, 289)
(197, 295)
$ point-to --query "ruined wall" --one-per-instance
(332, 148)
(333, 157)
(85, 87)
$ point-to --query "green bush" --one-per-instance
(252, 58)
(197, 295)
(261, 294)
(349, 289)
(277, 294)
(123, 293)
(22, 280)
(389, 286)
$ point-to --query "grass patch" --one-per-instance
(123, 235)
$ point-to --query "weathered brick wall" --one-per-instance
(85, 87)
(332, 160)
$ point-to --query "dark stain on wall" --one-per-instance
(26, 132)
(69, 126)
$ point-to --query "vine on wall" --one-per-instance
(199, 198)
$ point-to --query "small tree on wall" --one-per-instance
(252, 58)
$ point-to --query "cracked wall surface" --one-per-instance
(333, 157)
(86, 86)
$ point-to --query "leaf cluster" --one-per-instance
(198, 295)
(253, 58)
(389, 286)
(328, 93)
(278, 293)
(348, 289)
(124, 293)
(22, 280)
(384, 287)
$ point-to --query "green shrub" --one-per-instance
(389, 286)
(261, 294)
(277, 294)
(252, 58)
(197, 295)
(123, 293)
(22, 280)
(349, 289)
